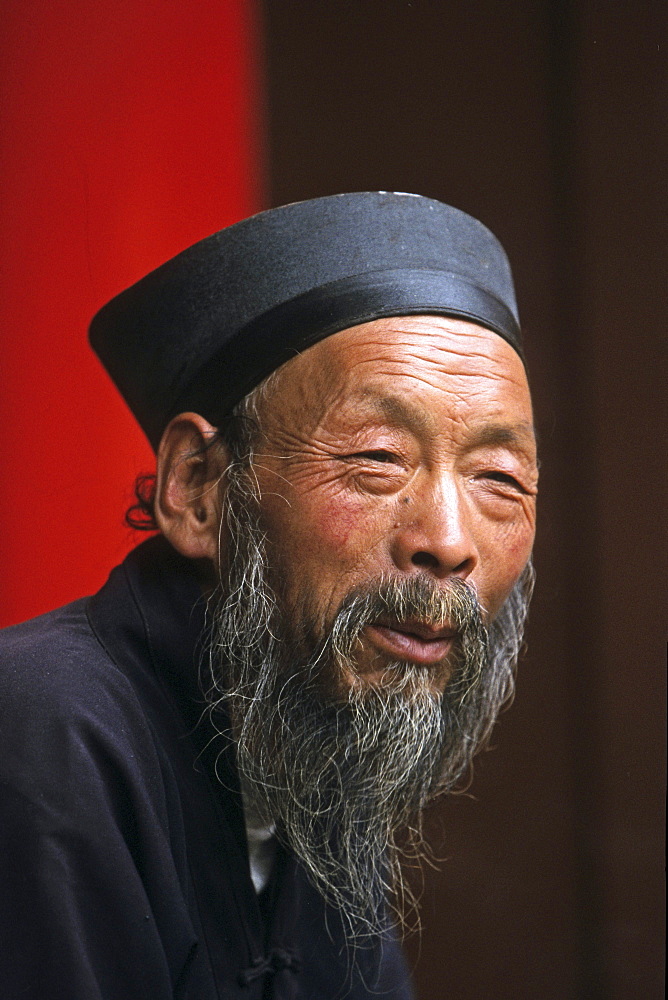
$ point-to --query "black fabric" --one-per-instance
(206, 327)
(123, 855)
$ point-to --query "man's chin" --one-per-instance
(388, 661)
(397, 678)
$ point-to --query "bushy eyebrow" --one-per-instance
(400, 411)
(520, 435)
(515, 435)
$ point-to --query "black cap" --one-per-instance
(204, 329)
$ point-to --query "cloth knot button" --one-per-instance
(277, 960)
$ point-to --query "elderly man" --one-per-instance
(213, 768)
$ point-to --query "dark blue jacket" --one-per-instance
(123, 864)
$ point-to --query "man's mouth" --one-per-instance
(413, 641)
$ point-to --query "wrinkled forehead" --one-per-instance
(412, 372)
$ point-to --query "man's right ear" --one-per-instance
(191, 463)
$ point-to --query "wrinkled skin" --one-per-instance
(398, 447)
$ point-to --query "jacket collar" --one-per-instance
(151, 618)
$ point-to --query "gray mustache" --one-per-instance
(453, 605)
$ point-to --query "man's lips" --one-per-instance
(412, 641)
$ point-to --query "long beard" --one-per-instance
(346, 777)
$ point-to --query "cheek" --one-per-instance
(338, 523)
(502, 566)
(338, 530)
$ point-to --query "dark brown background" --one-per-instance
(546, 121)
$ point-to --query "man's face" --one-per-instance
(388, 493)
(399, 448)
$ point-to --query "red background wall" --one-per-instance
(129, 130)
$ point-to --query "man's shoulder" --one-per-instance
(54, 671)
(63, 627)
(51, 651)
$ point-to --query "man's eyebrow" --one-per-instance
(400, 411)
(518, 435)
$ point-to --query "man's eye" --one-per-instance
(504, 477)
(376, 456)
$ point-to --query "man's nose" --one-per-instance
(434, 533)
